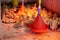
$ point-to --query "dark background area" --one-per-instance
(51, 5)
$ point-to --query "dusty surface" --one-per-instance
(23, 33)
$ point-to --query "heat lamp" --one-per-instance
(38, 25)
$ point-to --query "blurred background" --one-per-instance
(52, 5)
(16, 15)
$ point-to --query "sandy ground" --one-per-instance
(23, 33)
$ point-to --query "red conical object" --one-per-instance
(38, 25)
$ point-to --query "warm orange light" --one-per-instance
(27, 11)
